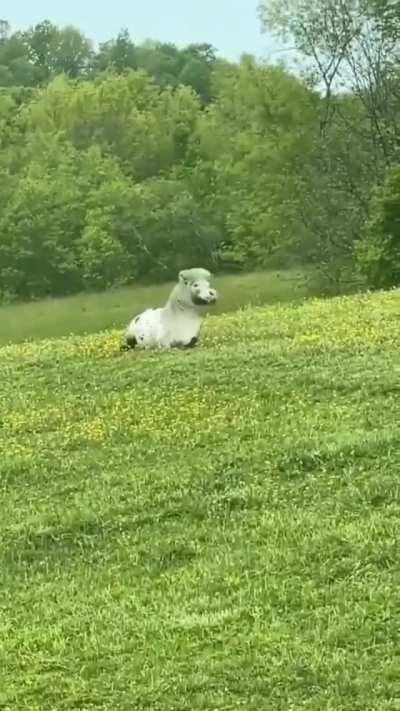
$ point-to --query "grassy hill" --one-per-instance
(89, 313)
(215, 529)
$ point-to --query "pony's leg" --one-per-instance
(184, 346)
(130, 344)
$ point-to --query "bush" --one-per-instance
(378, 254)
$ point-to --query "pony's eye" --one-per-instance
(195, 286)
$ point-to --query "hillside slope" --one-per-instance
(206, 530)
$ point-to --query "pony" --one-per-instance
(177, 324)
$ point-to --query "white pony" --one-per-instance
(177, 324)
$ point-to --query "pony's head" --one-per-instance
(196, 283)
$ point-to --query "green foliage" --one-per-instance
(131, 161)
(103, 260)
(46, 215)
(53, 51)
(42, 52)
(128, 117)
(379, 252)
(118, 54)
(254, 138)
(116, 178)
(35, 56)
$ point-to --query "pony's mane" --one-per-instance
(196, 274)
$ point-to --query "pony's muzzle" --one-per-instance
(205, 298)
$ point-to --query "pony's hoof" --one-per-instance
(129, 345)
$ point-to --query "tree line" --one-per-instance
(127, 162)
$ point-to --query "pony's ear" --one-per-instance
(183, 276)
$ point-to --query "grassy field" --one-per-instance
(207, 530)
(89, 313)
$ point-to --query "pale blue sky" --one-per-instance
(231, 26)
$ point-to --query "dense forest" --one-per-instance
(126, 162)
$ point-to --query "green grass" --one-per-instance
(89, 313)
(215, 529)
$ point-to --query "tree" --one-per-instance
(128, 116)
(135, 162)
(351, 45)
(168, 65)
(45, 217)
(16, 67)
(351, 49)
(255, 142)
(197, 70)
(4, 30)
(118, 54)
(53, 51)
(378, 254)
